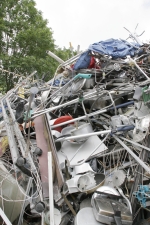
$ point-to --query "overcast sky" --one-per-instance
(83, 22)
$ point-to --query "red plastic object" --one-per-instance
(61, 120)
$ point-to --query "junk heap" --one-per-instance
(76, 149)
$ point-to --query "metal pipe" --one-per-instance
(20, 138)
(4, 217)
(121, 105)
(22, 145)
(20, 221)
(127, 200)
(71, 60)
(60, 89)
(83, 135)
(134, 143)
(72, 102)
(133, 61)
(11, 139)
(33, 92)
(59, 106)
(92, 114)
(139, 161)
(47, 110)
(17, 130)
(50, 179)
(55, 57)
(31, 75)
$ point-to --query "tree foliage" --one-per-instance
(64, 53)
(24, 39)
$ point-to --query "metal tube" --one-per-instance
(50, 176)
(60, 106)
(133, 155)
(23, 146)
(133, 61)
(122, 105)
(60, 89)
(127, 200)
(92, 114)
(21, 140)
(4, 217)
(134, 143)
(20, 222)
(79, 118)
(83, 135)
(33, 92)
(85, 97)
(55, 57)
(71, 60)
(17, 130)
(72, 102)
(11, 139)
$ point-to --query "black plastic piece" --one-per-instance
(20, 161)
(38, 151)
(23, 166)
(39, 207)
(20, 112)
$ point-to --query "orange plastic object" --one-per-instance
(61, 120)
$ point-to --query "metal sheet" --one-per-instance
(43, 159)
(76, 154)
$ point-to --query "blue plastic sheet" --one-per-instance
(83, 61)
(57, 82)
(115, 48)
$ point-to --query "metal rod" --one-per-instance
(92, 114)
(60, 106)
(17, 130)
(33, 92)
(133, 61)
(83, 135)
(71, 60)
(22, 144)
(55, 57)
(38, 113)
(50, 176)
(133, 155)
(20, 222)
(134, 143)
(4, 217)
(20, 138)
(11, 139)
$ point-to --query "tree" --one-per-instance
(24, 39)
(64, 53)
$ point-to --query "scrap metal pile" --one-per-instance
(76, 149)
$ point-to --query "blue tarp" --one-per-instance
(57, 82)
(83, 61)
(115, 48)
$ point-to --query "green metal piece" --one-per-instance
(81, 99)
(82, 75)
(146, 96)
(26, 118)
